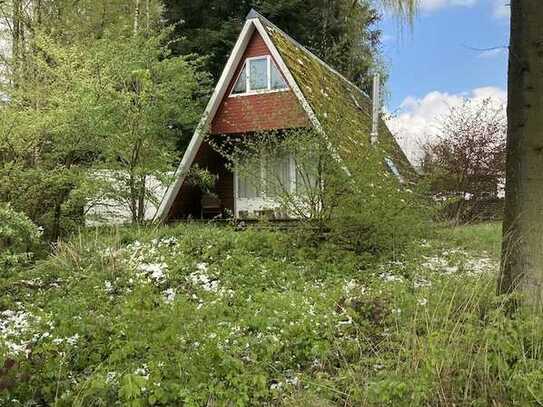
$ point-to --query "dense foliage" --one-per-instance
(352, 199)
(86, 121)
(343, 33)
(207, 315)
(19, 237)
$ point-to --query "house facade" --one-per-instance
(268, 84)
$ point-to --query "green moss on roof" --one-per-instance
(343, 110)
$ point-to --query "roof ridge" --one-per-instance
(255, 14)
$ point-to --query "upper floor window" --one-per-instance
(259, 74)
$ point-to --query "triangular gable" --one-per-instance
(334, 100)
(272, 105)
(251, 26)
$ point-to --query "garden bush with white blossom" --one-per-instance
(202, 315)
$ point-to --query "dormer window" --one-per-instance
(259, 75)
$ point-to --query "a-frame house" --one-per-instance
(270, 82)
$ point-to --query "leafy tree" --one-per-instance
(343, 32)
(469, 156)
(72, 108)
(18, 238)
(142, 97)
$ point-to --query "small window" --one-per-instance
(306, 177)
(241, 84)
(277, 81)
(259, 75)
(247, 187)
(277, 175)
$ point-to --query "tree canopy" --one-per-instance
(343, 33)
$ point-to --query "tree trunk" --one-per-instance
(147, 16)
(522, 251)
(136, 17)
(16, 40)
(132, 187)
(142, 189)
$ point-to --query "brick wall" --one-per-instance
(276, 110)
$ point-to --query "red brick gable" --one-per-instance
(265, 111)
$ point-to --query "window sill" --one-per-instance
(258, 92)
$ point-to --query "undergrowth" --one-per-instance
(202, 315)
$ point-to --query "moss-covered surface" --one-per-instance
(343, 110)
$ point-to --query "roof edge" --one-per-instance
(255, 14)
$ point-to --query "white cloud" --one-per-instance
(500, 8)
(418, 119)
(492, 53)
(430, 5)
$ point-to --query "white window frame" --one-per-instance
(248, 90)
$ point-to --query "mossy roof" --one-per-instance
(343, 110)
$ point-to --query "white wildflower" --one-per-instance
(156, 271)
(169, 295)
(14, 325)
(201, 267)
(143, 372)
(72, 340)
(108, 286)
(276, 386)
(201, 279)
(421, 282)
(111, 377)
(390, 278)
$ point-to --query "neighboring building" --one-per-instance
(271, 82)
(108, 207)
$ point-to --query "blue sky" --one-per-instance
(435, 65)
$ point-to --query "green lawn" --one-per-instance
(482, 237)
(209, 316)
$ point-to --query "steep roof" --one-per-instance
(343, 110)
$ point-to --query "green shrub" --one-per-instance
(354, 200)
(18, 238)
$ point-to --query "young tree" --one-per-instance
(469, 156)
(140, 100)
(522, 254)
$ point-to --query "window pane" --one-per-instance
(392, 167)
(277, 176)
(277, 81)
(306, 177)
(247, 187)
(241, 84)
(258, 74)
